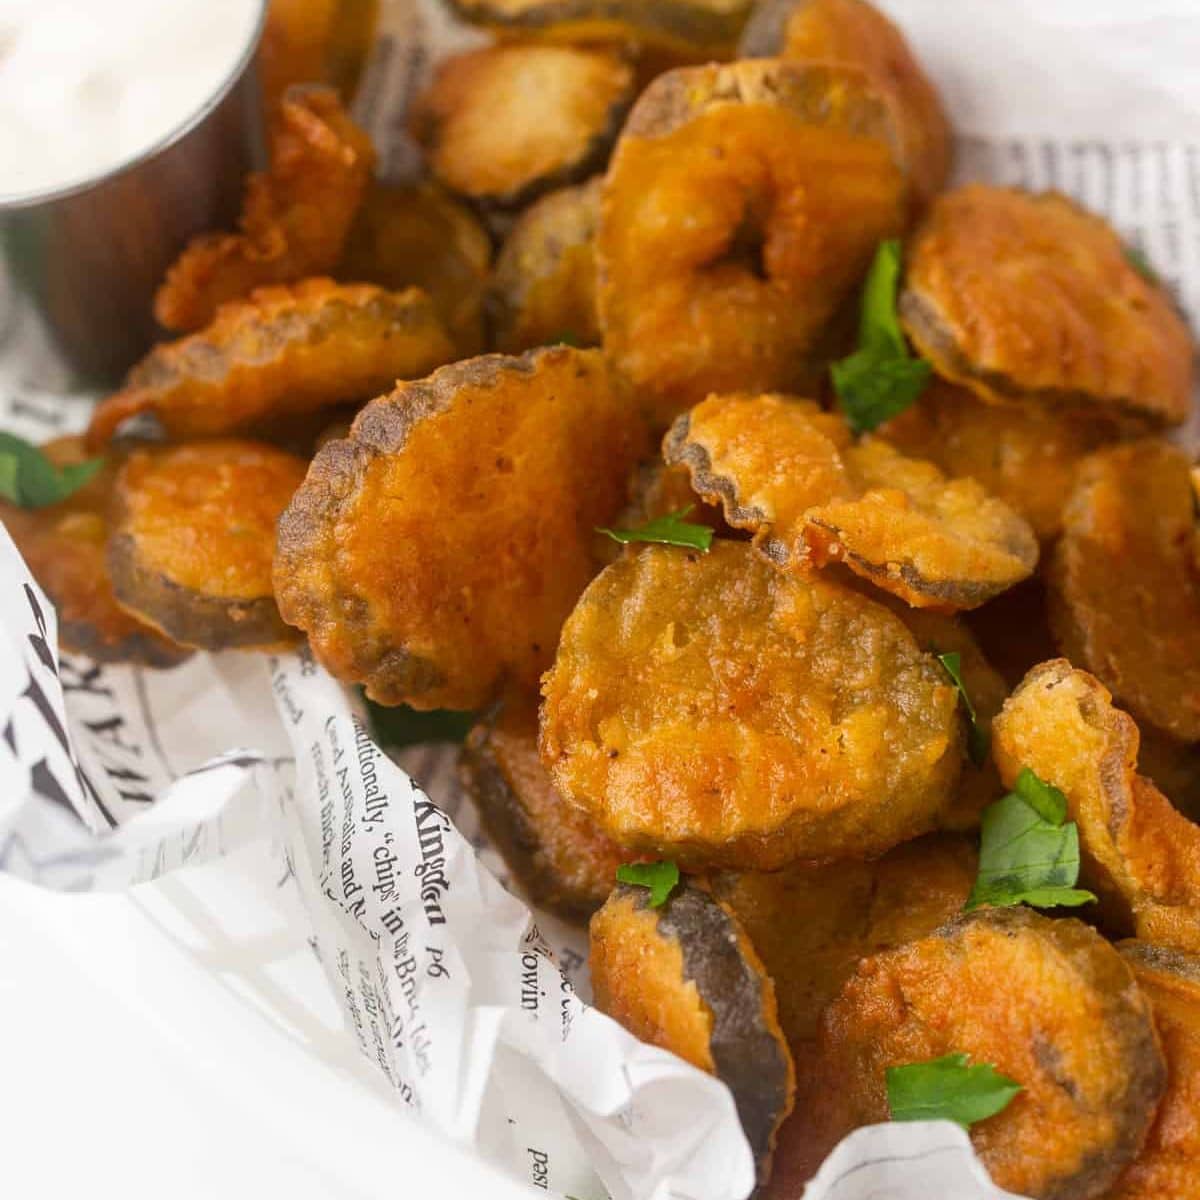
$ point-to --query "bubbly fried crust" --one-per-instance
(858, 34)
(812, 925)
(686, 977)
(811, 494)
(282, 352)
(485, 482)
(1169, 1164)
(505, 124)
(1023, 454)
(1018, 296)
(1124, 587)
(712, 710)
(544, 286)
(295, 216)
(742, 205)
(192, 541)
(1138, 854)
(940, 633)
(63, 546)
(1048, 1003)
(562, 861)
(418, 236)
(691, 25)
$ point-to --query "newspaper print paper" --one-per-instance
(470, 1008)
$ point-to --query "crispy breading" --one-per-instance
(485, 483)
(64, 547)
(1048, 1003)
(1137, 853)
(1030, 297)
(741, 208)
(282, 352)
(555, 852)
(940, 633)
(811, 494)
(295, 216)
(418, 236)
(710, 709)
(1023, 454)
(1124, 586)
(685, 976)
(812, 925)
(857, 33)
(193, 537)
(544, 287)
(1169, 1163)
(507, 123)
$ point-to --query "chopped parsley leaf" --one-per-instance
(671, 530)
(662, 878)
(950, 1088)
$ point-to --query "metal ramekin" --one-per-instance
(85, 260)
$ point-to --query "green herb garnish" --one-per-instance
(1044, 798)
(565, 337)
(1141, 264)
(948, 1089)
(1029, 851)
(29, 479)
(671, 530)
(881, 378)
(395, 728)
(662, 878)
(978, 740)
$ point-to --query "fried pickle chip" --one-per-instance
(942, 634)
(858, 34)
(283, 352)
(1023, 454)
(419, 236)
(709, 709)
(544, 287)
(1018, 296)
(1137, 853)
(1048, 1003)
(812, 925)
(193, 537)
(562, 861)
(295, 216)
(1169, 1164)
(485, 483)
(504, 124)
(811, 494)
(697, 26)
(742, 205)
(685, 977)
(1124, 589)
(63, 546)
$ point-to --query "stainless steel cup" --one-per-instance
(84, 261)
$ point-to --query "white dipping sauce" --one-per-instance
(87, 85)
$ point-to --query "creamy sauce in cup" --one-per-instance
(89, 85)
